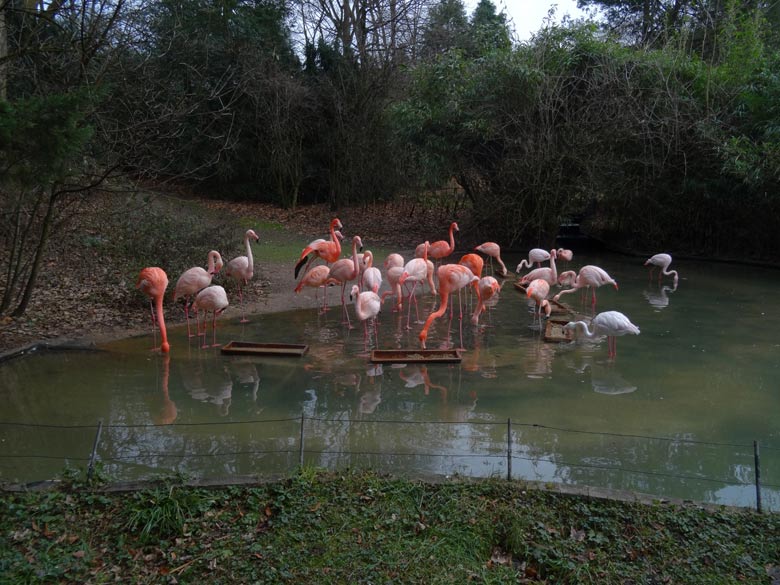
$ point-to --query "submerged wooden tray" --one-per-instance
(416, 356)
(252, 348)
(554, 333)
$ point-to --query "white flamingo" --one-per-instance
(613, 324)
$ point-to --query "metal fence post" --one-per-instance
(758, 476)
(509, 449)
(91, 467)
(300, 454)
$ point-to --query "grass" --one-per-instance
(361, 527)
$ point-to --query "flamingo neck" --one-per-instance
(158, 307)
(248, 250)
(452, 238)
(583, 328)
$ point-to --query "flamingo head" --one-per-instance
(403, 278)
(336, 223)
(358, 242)
(339, 235)
(454, 226)
(251, 234)
(545, 306)
(354, 292)
(165, 347)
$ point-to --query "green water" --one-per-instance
(674, 415)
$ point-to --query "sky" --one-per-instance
(527, 15)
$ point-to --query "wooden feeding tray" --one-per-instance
(416, 356)
(554, 332)
(272, 349)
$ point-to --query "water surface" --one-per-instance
(674, 415)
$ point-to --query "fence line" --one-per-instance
(509, 456)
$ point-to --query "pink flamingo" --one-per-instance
(415, 270)
(613, 324)
(345, 270)
(242, 268)
(452, 277)
(441, 248)
(493, 250)
(394, 275)
(328, 250)
(662, 261)
(474, 263)
(316, 278)
(538, 291)
(367, 306)
(549, 274)
(487, 287)
(212, 298)
(393, 260)
(565, 255)
(371, 278)
(153, 281)
(590, 277)
(195, 279)
(535, 256)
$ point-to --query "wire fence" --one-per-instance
(307, 440)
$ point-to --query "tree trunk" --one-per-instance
(38, 259)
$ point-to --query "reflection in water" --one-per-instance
(208, 381)
(167, 413)
(538, 358)
(415, 376)
(245, 373)
(659, 299)
(605, 378)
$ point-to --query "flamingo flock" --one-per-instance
(358, 271)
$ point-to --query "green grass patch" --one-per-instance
(361, 527)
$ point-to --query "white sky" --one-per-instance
(527, 15)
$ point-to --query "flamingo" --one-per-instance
(152, 281)
(565, 255)
(242, 268)
(316, 278)
(393, 260)
(493, 250)
(212, 298)
(535, 256)
(549, 274)
(441, 248)
(662, 261)
(415, 270)
(394, 275)
(591, 277)
(538, 291)
(345, 270)
(613, 324)
(195, 279)
(474, 263)
(328, 250)
(367, 306)
(487, 287)
(372, 277)
(452, 277)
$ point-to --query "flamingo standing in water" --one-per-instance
(394, 275)
(487, 288)
(193, 280)
(328, 250)
(415, 270)
(590, 277)
(345, 270)
(153, 281)
(613, 324)
(367, 306)
(493, 250)
(662, 261)
(242, 268)
(565, 255)
(474, 263)
(550, 274)
(316, 278)
(538, 291)
(440, 248)
(452, 277)
(212, 298)
(535, 256)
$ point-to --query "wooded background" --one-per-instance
(658, 125)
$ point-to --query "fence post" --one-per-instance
(509, 449)
(758, 476)
(91, 467)
(300, 453)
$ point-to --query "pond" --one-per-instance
(675, 414)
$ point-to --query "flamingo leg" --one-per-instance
(205, 344)
(214, 330)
